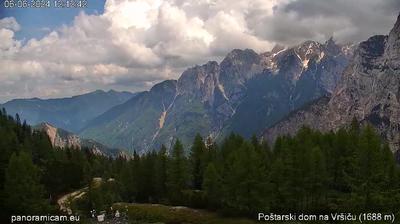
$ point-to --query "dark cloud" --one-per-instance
(347, 21)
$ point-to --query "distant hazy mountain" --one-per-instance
(245, 93)
(369, 91)
(67, 113)
(60, 138)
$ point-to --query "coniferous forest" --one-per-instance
(350, 170)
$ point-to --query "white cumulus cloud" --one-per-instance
(137, 43)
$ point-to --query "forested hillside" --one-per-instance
(33, 174)
(350, 170)
(69, 113)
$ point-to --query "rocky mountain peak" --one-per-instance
(200, 81)
(368, 91)
(58, 137)
(98, 91)
(239, 55)
(211, 66)
(396, 28)
(293, 61)
(369, 52)
(111, 91)
(195, 77)
(238, 67)
(393, 46)
(277, 48)
(331, 47)
(309, 50)
(62, 139)
(164, 86)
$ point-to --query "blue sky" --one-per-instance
(36, 23)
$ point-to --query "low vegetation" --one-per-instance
(156, 213)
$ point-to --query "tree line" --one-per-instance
(349, 170)
(33, 174)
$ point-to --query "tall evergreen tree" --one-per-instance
(177, 176)
(161, 173)
(318, 179)
(244, 187)
(147, 178)
(370, 167)
(197, 163)
(24, 193)
(212, 186)
(127, 184)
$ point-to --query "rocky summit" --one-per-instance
(62, 139)
(368, 91)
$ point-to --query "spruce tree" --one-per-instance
(147, 177)
(177, 176)
(370, 167)
(197, 166)
(212, 186)
(244, 185)
(161, 173)
(389, 168)
(127, 186)
(24, 193)
(318, 178)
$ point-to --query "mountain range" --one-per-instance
(71, 114)
(368, 91)
(245, 93)
(322, 85)
(60, 138)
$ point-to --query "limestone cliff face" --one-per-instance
(291, 78)
(200, 81)
(369, 91)
(59, 138)
(62, 139)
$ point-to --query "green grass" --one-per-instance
(154, 213)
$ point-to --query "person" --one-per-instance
(93, 213)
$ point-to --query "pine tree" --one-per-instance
(318, 178)
(389, 168)
(24, 193)
(147, 177)
(285, 175)
(342, 159)
(127, 187)
(244, 185)
(370, 167)
(212, 186)
(279, 186)
(18, 119)
(197, 166)
(177, 176)
(161, 173)
(135, 164)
